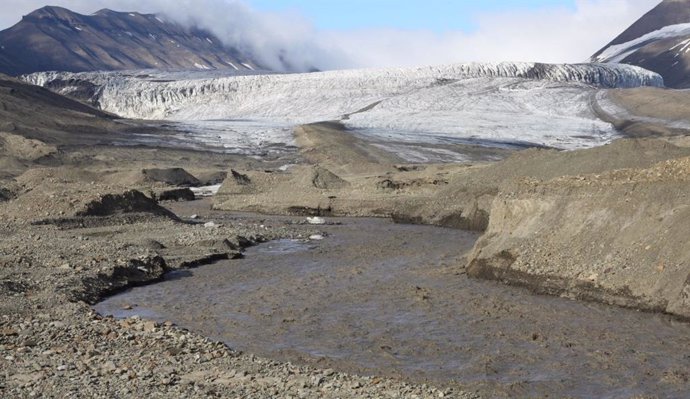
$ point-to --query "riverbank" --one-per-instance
(53, 344)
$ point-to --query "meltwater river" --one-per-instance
(386, 299)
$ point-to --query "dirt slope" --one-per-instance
(619, 237)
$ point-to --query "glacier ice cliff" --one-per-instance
(542, 104)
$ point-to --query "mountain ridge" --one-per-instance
(659, 41)
(55, 38)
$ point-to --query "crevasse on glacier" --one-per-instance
(315, 96)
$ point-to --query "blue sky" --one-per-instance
(435, 15)
(334, 34)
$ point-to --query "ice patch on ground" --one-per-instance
(206, 191)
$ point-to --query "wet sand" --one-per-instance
(391, 300)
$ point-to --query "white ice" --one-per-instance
(490, 104)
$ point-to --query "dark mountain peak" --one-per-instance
(108, 13)
(57, 39)
(658, 41)
(668, 12)
(105, 12)
(51, 12)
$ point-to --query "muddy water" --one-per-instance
(385, 299)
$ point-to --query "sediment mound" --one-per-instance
(173, 177)
(466, 202)
(129, 202)
(22, 148)
(618, 237)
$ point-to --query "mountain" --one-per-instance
(659, 41)
(54, 38)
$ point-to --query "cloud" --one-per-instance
(548, 35)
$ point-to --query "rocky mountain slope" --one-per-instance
(659, 41)
(54, 38)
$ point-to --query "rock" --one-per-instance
(132, 201)
(210, 225)
(173, 176)
(212, 179)
(240, 179)
(5, 194)
(27, 379)
(221, 245)
(149, 326)
(8, 332)
(178, 194)
(325, 179)
(109, 366)
(151, 244)
(195, 216)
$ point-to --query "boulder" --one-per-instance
(173, 177)
(324, 179)
(178, 194)
(128, 202)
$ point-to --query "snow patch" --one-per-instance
(619, 52)
(248, 66)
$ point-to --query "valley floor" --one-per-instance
(605, 224)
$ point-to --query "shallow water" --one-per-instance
(387, 299)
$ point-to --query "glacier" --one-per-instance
(485, 103)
